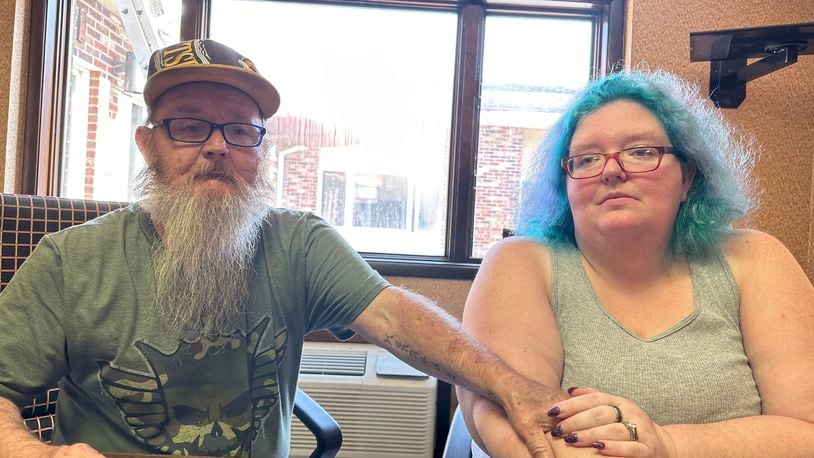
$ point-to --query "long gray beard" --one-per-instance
(203, 262)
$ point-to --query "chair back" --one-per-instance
(25, 219)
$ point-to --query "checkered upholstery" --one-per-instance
(25, 219)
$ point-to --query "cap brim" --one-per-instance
(257, 87)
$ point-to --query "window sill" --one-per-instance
(427, 268)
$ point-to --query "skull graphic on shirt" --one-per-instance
(208, 397)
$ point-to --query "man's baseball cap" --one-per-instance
(208, 61)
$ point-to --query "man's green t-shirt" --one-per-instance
(80, 313)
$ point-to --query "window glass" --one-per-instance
(109, 51)
(528, 77)
(363, 131)
(334, 187)
(364, 134)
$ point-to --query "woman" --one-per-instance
(685, 337)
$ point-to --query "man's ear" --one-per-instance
(143, 138)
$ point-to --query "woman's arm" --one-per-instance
(777, 321)
(508, 310)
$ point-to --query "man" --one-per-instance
(176, 325)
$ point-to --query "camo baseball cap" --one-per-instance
(208, 61)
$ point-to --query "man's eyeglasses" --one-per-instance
(193, 130)
(640, 159)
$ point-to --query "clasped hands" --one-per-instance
(612, 425)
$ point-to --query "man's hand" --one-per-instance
(526, 404)
(40, 450)
(17, 442)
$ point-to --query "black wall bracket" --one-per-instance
(729, 50)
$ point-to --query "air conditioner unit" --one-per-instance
(384, 407)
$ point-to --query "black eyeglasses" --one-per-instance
(639, 159)
(193, 130)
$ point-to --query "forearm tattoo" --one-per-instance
(405, 349)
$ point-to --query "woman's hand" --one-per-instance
(613, 425)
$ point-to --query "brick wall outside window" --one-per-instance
(100, 42)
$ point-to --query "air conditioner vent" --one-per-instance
(334, 363)
(384, 411)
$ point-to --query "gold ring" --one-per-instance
(631, 428)
(618, 414)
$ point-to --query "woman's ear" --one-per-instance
(687, 176)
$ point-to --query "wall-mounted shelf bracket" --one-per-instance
(729, 50)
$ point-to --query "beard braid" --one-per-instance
(203, 261)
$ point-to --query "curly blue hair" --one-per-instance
(720, 194)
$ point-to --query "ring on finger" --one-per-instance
(618, 414)
(633, 430)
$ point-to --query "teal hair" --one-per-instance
(721, 192)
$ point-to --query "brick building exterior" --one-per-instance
(101, 45)
(500, 156)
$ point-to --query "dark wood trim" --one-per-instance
(424, 269)
(465, 121)
(44, 109)
(48, 177)
(615, 25)
(40, 88)
(195, 21)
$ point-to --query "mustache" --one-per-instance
(217, 172)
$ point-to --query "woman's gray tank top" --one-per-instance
(694, 372)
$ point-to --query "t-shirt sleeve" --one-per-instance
(340, 283)
(32, 339)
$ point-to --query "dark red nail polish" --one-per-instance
(554, 411)
(572, 389)
(571, 438)
(557, 431)
(599, 445)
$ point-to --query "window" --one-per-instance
(106, 51)
(361, 94)
(404, 123)
(520, 98)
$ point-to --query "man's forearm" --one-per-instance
(433, 341)
(429, 339)
(419, 333)
(15, 440)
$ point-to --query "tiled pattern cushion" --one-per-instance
(39, 415)
(25, 219)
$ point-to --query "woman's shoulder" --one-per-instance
(750, 244)
(523, 256)
(519, 247)
(751, 251)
